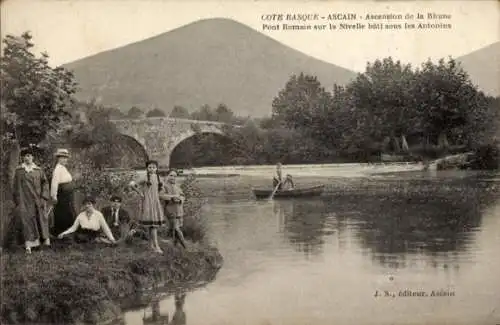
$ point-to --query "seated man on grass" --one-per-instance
(117, 218)
(89, 225)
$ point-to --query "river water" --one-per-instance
(353, 257)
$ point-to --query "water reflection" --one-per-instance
(179, 317)
(302, 223)
(156, 317)
(394, 229)
(435, 226)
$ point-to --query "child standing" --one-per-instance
(174, 201)
(151, 214)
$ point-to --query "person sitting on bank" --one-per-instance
(89, 224)
(117, 218)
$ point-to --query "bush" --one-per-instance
(103, 184)
(486, 157)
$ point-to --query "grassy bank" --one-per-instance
(87, 285)
(81, 284)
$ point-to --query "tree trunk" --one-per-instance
(386, 143)
(13, 162)
(396, 146)
(404, 144)
(443, 141)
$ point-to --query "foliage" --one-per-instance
(135, 113)
(179, 112)
(34, 101)
(301, 104)
(429, 111)
(222, 113)
(195, 226)
(383, 100)
(204, 113)
(116, 113)
(35, 96)
(486, 157)
(448, 101)
(102, 184)
(155, 112)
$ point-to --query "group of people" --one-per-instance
(35, 198)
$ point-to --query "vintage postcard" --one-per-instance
(250, 162)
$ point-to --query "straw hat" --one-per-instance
(62, 153)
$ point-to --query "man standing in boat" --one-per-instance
(278, 178)
(278, 181)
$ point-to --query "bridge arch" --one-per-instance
(190, 134)
(159, 136)
(139, 153)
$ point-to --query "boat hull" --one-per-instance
(298, 192)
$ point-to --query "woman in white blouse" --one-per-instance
(61, 192)
(89, 225)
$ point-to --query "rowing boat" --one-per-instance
(296, 192)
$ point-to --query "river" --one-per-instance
(352, 258)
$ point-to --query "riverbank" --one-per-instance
(84, 284)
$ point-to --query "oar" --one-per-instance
(275, 189)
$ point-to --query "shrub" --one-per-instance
(487, 157)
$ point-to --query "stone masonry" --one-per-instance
(160, 135)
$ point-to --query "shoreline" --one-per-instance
(83, 284)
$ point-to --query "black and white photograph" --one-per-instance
(250, 162)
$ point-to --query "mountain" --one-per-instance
(483, 67)
(206, 62)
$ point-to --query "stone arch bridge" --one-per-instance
(158, 136)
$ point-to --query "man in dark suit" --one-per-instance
(117, 218)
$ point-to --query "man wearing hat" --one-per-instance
(30, 194)
(61, 192)
(117, 218)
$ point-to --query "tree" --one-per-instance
(155, 112)
(301, 103)
(205, 113)
(224, 114)
(448, 101)
(384, 96)
(135, 113)
(116, 113)
(35, 96)
(179, 112)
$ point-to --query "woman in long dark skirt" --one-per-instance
(61, 191)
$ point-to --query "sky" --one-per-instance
(69, 30)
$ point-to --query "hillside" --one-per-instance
(207, 62)
(483, 66)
